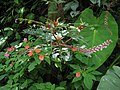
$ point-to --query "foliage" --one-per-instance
(110, 80)
(72, 5)
(54, 49)
(40, 51)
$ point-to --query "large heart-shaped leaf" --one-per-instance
(96, 33)
(110, 81)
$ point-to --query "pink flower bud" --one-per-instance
(6, 55)
(9, 49)
(25, 40)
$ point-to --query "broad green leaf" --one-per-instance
(98, 35)
(111, 80)
(88, 81)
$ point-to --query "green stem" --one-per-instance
(114, 62)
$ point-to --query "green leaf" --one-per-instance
(32, 88)
(48, 85)
(16, 1)
(5, 88)
(75, 66)
(98, 35)
(24, 85)
(111, 80)
(1, 66)
(2, 76)
(32, 66)
(40, 86)
(88, 81)
(60, 88)
(9, 33)
(78, 84)
(96, 73)
(63, 83)
(17, 35)
(31, 16)
(14, 88)
(75, 5)
(94, 1)
(52, 10)
(16, 75)
(47, 59)
(75, 79)
(68, 6)
(37, 59)
(81, 58)
(22, 10)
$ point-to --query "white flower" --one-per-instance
(17, 46)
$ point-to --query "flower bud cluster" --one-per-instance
(96, 48)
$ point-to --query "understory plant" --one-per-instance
(58, 55)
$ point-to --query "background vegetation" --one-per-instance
(22, 19)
